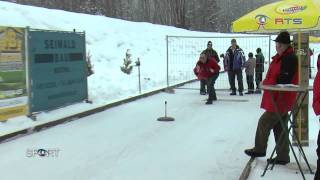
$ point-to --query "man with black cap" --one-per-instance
(235, 59)
(282, 70)
(210, 53)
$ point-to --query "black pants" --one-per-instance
(229, 75)
(317, 175)
(203, 84)
(250, 83)
(233, 75)
(258, 79)
(210, 85)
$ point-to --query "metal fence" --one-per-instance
(183, 53)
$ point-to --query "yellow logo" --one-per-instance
(290, 9)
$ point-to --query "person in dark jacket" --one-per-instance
(207, 69)
(259, 69)
(316, 108)
(235, 59)
(282, 70)
(211, 53)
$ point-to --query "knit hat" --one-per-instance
(283, 37)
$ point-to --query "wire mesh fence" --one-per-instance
(183, 53)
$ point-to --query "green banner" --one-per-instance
(57, 69)
(13, 93)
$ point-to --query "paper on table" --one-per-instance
(287, 85)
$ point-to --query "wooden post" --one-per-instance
(301, 46)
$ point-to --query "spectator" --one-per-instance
(316, 108)
(225, 68)
(282, 70)
(235, 58)
(209, 53)
(250, 65)
(259, 69)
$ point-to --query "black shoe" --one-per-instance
(203, 93)
(233, 94)
(258, 91)
(317, 175)
(209, 102)
(240, 93)
(247, 93)
(276, 161)
(253, 153)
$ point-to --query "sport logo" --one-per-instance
(43, 152)
(290, 9)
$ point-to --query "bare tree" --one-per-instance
(205, 15)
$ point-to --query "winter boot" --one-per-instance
(277, 161)
(209, 101)
(253, 153)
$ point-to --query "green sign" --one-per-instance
(57, 69)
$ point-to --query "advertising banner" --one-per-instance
(57, 69)
(13, 92)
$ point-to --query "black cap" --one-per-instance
(258, 50)
(283, 37)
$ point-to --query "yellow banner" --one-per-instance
(7, 113)
(13, 91)
(291, 15)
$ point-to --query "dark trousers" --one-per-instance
(232, 76)
(210, 85)
(267, 122)
(317, 175)
(229, 75)
(250, 83)
(203, 84)
(258, 79)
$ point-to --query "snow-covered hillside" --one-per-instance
(107, 41)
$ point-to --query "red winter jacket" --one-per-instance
(282, 70)
(316, 91)
(206, 70)
(316, 94)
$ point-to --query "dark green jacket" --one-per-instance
(259, 63)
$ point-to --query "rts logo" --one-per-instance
(261, 19)
(287, 21)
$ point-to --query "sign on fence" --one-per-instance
(13, 93)
(57, 69)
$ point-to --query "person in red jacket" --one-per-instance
(207, 69)
(282, 70)
(316, 108)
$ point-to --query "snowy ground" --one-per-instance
(127, 142)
